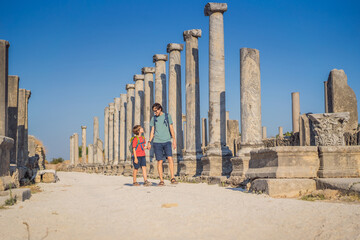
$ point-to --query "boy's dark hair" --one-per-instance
(136, 129)
(157, 106)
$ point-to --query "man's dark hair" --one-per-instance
(157, 106)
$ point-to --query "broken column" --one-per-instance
(72, 160)
(139, 100)
(111, 133)
(13, 95)
(281, 134)
(175, 106)
(250, 104)
(26, 137)
(295, 99)
(264, 132)
(160, 79)
(204, 133)
(21, 128)
(76, 149)
(83, 144)
(99, 152)
(130, 88)
(341, 98)
(216, 160)
(91, 154)
(106, 133)
(326, 97)
(193, 152)
(4, 54)
(116, 130)
(95, 138)
(123, 140)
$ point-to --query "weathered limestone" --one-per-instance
(72, 150)
(250, 102)
(116, 130)
(26, 136)
(99, 152)
(130, 88)
(160, 79)
(193, 152)
(6, 144)
(91, 154)
(329, 128)
(111, 133)
(175, 105)
(304, 130)
(95, 138)
(295, 99)
(106, 134)
(232, 135)
(264, 132)
(139, 100)
(83, 144)
(204, 140)
(184, 135)
(341, 98)
(326, 97)
(76, 149)
(281, 133)
(21, 128)
(148, 101)
(284, 162)
(13, 95)
(339, 161)
(4, 55)
(123, 141)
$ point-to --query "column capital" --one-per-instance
(4, 42)
(83, 127)
(192, 33)
(130, 86)
(27, 94)
(214, 7)
(138, 77)
(111, 107)
(146, 70)
(160, 57)
(174, 46)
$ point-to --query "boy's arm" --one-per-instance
(134, 152)
(173, 135)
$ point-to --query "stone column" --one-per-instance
(21, 128)
(139, 100)
(193, 151)
(116, 130)
(160, 79)
(106, 133)
(130, 88)
(72, 160)
(148, 101)
(26, 137)
(250, 102)
(281, 134)
(83, 143)
(91, 154)
(111, 133)
(4, 55)
(99, 152)
(217, 156)
(95, 137)
(264, 132)
(295, 99)
(123, 139)
(76, 149)
(204, 133)
(13, 95)
(184, 134)
(326, 97)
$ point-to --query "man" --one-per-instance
(161, 131)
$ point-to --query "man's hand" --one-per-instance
(148, 146)
(174, 144)
(136, 160)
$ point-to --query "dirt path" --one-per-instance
(89, 206)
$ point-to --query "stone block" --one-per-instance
(21, 194)
(187, 168)
(232, 134)
(216, 165)
(5, 148)
(339, 161)
(284, 162)
(345, 185)
(6, 182)
(283, 187)
(240, 165)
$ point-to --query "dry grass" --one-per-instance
(33, 188)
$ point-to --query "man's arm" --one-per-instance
(173, 135)
(150, 138)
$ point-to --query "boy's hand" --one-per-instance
(149, 146)
(136, 161)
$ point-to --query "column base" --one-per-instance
(6, 144)
(240, 164)
(216, 162)
(191, 164)
(153, 172)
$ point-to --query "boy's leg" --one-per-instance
(134, 175)
(160, 169)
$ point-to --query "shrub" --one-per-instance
(57, 160)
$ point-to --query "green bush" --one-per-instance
(57, 160)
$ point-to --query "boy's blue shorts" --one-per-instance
(141, 162)
(162, 150)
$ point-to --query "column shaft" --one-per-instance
(4, 55)
(26, 137)
(160, 79)
(116, 130)
(264, 132)
(72, 150)
(129, 116)
(13, 95)
(123, 138)
(91, 154)
(106, 133)
(76, 149)
(295, 99)
(83, 144)
(95, 138)
(21, 128)
(204, 133)
(111, 133)
(139, 100)
(326, 97)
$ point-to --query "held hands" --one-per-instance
(148, 146)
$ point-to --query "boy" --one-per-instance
(138, 146)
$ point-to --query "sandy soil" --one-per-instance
(89, 206)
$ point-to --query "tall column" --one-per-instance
(13, 95)
(204, 133)
(76, 148)
(21, 128)
(83, 143)
(91, 154)
(72, 161)
(111, 133)
(160, 79)
(148, 101)
(264, 132)
(175, 105)
(130, 88)
(326, 97)
(295, 99)
(4, 55)
(106, 133)
(123, 139)
(217, 156)
(26, 137)
(116, 130)
(95, 138)
(281, 134)
(139, 100)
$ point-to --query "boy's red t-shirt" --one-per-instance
(140, 152)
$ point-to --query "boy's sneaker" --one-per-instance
(147, 183)
(136, 184)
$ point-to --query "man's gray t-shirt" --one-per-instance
(162, 132)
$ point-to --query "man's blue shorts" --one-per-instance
(141, 162)
(162, 150)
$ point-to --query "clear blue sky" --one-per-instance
(76, 56)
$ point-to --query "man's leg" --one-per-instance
(171, 166)
(160, 169)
